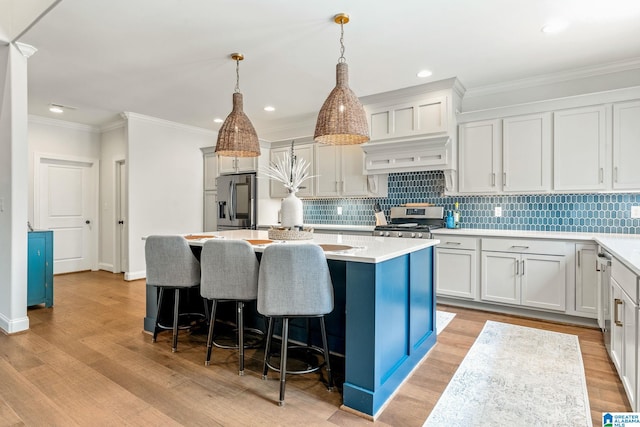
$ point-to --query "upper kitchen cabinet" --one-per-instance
(526, 153)
(579, 149)
(480, 157)
(408, 119)
(338, 171)
(210, 167)
(626, 145)
(509, 155)
(303, 151)
(228, 165)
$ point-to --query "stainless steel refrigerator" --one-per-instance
(237, 196)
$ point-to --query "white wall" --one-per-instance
(113, 149)
(165, 181)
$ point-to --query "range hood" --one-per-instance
(412, 155)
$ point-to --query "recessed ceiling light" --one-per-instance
(55, 108)
(554, 27)
(269, 108)
(424, 73)
(218, 120)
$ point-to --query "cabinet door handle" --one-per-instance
(343, 187)
(493, 179)
(523, 267)
(579, 252)
(517, 268)
(615, 174)
(519, 247)
(616, 303)
(452, 243)
(601, 175)
(504, 179)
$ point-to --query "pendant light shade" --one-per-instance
(342, 119)
(237, 137)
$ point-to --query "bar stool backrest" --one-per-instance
(229, 270)
(170, 262)
(294, 281)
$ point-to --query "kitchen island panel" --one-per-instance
(396, 298)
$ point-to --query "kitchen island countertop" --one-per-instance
(367, 249)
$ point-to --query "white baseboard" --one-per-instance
(135, 275)
(106, 267)
(12, 326)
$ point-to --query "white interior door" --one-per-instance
(122, 245)
(65, 202)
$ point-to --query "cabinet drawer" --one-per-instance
(524, 246)
(456, 242)
(625, 278)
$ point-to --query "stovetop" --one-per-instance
(408, 227)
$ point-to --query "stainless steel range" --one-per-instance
(412, 222)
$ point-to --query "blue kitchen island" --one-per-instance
(384, 317)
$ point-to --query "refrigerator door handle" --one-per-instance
(231, 202)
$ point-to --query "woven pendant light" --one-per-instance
(237, 136)
(342, 119)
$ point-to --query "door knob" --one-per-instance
(87, 222)
(121, 222)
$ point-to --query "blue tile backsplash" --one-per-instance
(599, 213)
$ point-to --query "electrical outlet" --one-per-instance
(497, 211)
(339, 210)
(635, 211)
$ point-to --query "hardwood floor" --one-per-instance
(87, 361)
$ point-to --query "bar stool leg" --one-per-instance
(326, 354)
(206, 310)
(240, 323)
(155, 327)
(283, 358)
(176, 305)
(212, 321)
(267, 349)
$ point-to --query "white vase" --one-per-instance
(291, 210)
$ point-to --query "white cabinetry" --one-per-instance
(586, 279)
(210, 164)
(427, 116)
(579, 148)
(227, 165)
(339, 171)
(524, 272)
(526, 153)
(480, 153)
(456, 272)
(624, 324)
(510, 155)
(626, 145)
(305, 152)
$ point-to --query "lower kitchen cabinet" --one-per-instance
(586, 298)
(456, 271)
(513, 275)
(624, 328)
(40, 268)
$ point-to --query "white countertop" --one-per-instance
(336, 227)
(367, 249)
(625, 247)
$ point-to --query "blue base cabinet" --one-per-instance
(40, 268)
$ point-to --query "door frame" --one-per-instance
(121, 213)
(94, 167)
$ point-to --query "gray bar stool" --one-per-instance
(294, 281)
(229, 272)
(171, 265)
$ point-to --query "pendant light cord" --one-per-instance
(342, 59)
(237, 89)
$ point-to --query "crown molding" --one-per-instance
(129, 115)
(559, 77)
(114, 125)
(62, 124)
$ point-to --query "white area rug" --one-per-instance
(442, 320)
(516, 376)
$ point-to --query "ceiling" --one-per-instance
(170, 58)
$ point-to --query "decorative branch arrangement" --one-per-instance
(289, 170)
